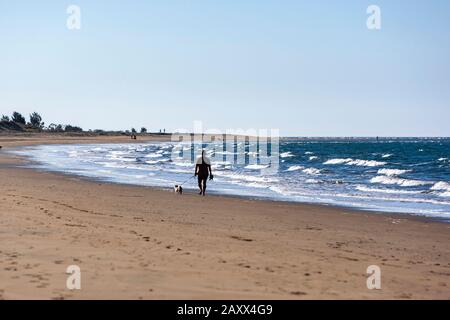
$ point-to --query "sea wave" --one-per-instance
(286, 155)
(392, 172)
(312, 171)
(390, 191)
(154, 155)
(441, 185)
(184, 164)
(338, 161)
(313, 181)
(399, 181)
(151, 161)
(366, 163)
(295, 168)
(356, 162)
(247, 178)
(256, 166)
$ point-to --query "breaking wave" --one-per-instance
(357, 162)
(399, 181)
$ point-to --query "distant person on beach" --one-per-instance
(202, 171)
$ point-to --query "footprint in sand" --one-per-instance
(298, 293)
(313, 228)
(241, 238)
(244, 265)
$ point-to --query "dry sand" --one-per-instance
(142, 243)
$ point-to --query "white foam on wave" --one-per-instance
(356, 162)
(184, 164)
(122, 159)
(115, 152)
(441, 185)
(111, 165)
(338, 161)
(388, 155)
(153, 155)
(73, 154)
(156, 161)
(178, 170)
(395, 199)
(399, 181)
(166, 146)
(392, 172)
(312, 171)
(309, 152)
(257, 185)
(366, 163)
(222, 163)
(390, 191)
(442, 159)
(312, 181)
(282, 190)
(256, 166)
(247, 178)
(286, 155)
(295, 168)
(313, 158)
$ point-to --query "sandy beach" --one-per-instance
(143, 243)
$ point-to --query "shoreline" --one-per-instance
(212, 194)
(136, 242)
(163, 138)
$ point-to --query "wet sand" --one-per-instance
(143, 243)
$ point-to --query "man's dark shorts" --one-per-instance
(202, 178)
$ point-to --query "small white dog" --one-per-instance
(178, 189)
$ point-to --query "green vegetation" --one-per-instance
(36, 121)
(18, 118)
(17, 122)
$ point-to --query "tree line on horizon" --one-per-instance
(17, 122)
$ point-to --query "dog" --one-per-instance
(178, 189)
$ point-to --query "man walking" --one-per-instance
(202, 171)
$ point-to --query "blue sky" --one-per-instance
(309, 68)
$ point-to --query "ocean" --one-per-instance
(392, 175)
